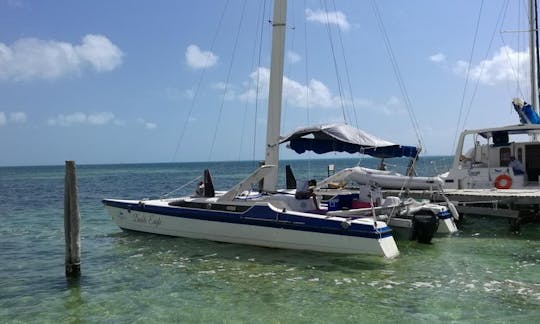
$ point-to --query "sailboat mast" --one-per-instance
(275, 93)
(533, 54)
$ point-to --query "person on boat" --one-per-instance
(199, 192)
(382, 165)
(516, 166)
(312, 184)
(305, 190)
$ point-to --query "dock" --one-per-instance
(519, 206)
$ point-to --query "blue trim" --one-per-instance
(445, 215)
(259, 216)
(320, 146)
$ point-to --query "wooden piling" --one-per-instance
(72, 222)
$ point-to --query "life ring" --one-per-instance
(503, 182)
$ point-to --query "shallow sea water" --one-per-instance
(482, 274)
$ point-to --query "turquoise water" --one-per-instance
(482, 274)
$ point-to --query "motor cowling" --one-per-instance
(425, 225)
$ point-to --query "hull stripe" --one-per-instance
(260, 216)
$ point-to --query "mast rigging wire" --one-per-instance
(336, 68)
(306, 68)
(257, 86)
(260, 24)
(292, 43)
(346, 70)
(500, 18)
(397, 74)
(199, 83)
(226, 88)
(467, 77)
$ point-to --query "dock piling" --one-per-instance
(72, 222)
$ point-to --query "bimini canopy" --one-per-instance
(344, 138)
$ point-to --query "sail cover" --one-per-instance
(344, 138)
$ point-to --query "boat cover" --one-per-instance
(526, 112)
(344, 138)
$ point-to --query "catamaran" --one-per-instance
(266, 218)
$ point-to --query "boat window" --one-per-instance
(504, 155)
(211, 206)
(520, 154)
(467, 153)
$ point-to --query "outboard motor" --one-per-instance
(425, 225)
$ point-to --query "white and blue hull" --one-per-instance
(267, 226)
(446, 225)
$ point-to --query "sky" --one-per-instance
(126, 81)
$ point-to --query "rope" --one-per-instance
(181, 187)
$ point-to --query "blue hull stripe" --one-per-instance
(445, 215)
(260, 216)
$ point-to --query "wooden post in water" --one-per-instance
(71, 222)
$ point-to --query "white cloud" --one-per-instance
(391, 107)
(197, 59)
(100, 52)
(17, 117)
(229, 89)
(32, 58)
(503, 66)
(293, 57)
(67, 120)
(146, 125)
(315, 94)
(332, 17)
(437, 58)
(221, 86)
(98, 119)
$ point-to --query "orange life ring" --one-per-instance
(503, 182)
